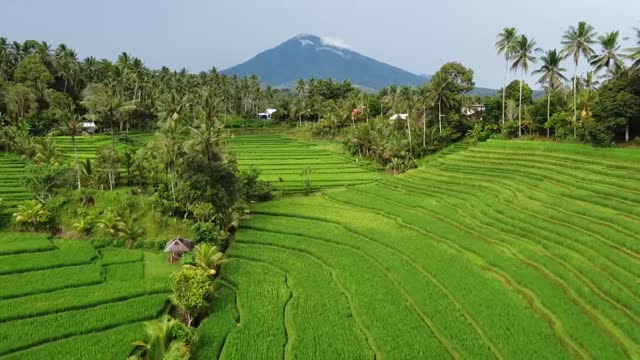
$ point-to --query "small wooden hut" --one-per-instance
(177, 247)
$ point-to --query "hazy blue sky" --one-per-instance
(415, 35)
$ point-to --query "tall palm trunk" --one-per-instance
(548, 108)
(520, 106)
(113, 150)
(409, 129)
(504, 91)
(424, 128)
(440, 114)
(75, 151)
(575, 100)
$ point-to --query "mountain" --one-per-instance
(309, 56)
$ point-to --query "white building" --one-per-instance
(475, 109)
(267, 114)
(89, 127)
(399, 116)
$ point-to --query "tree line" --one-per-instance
(603, 103)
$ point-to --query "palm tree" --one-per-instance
(73, 127)
(391, 99)
(552, 76)
(109, 223)
(424, 99)
(408, 101)
(506, 41)
(158, 343)
(634, 53)
(440, 94)
(46, 151)
(577, 43)
(208, 258)
(32, 213)
(129, 230)
(522, 50)
(206, 139)
(587, 88)
(103, 100)
(301, 87)
(300, 109)
(610, 56)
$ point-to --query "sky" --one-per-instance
(418, 36)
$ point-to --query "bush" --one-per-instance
(206, 233)
(253, 189)
(187, 259)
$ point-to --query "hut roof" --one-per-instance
(178, 245)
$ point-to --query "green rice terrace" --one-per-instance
(11, 189)
(287, 163)
(502, 250)
(67, 298)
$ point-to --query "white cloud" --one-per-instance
(335, 42)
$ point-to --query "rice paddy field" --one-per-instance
(505, 250)
(11, 172)
(88, 145)
(286, 163)
(64, 299)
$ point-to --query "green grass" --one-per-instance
(495, 250)
(157, 266)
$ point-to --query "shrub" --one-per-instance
(206, 233)
(32, 214)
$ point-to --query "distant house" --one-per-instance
(267, 114)
(399, 116)
(177, 247)
(89, 127)
(475, 110)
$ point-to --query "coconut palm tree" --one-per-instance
(391, 99)
(73, 127)
(505, 43)
(522, 50)
(552, 76)
(425, 101)
(109, 223)
(440, 94)
(586, 92)
(408, 101)
(208, 258)
(610, 56)
(129, 230)
(634, 53)
(577, 42)
(206, 139)
(158, 343)
(301, 87)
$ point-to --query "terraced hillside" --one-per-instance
(65, 298)
(88, 145)
(11, 172)
(283, 161)
(505, 250)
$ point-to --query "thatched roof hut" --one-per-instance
(177, 247)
